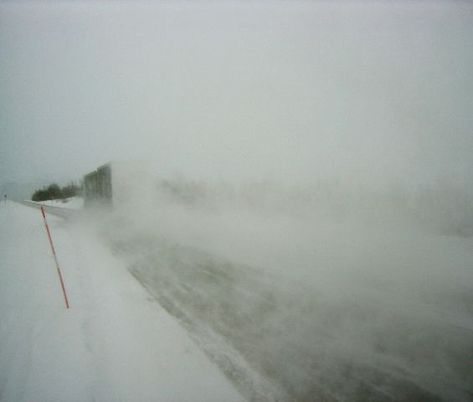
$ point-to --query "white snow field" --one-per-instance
(115, 343)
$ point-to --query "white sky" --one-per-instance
(292, 91)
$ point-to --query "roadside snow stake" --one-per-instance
(55, 257)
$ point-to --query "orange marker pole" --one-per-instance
(55, 257)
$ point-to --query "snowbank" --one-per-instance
(115, 343)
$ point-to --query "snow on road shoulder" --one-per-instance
(42, 354)
(115, 343)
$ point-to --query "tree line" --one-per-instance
(55, 192)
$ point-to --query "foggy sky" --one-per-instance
(289, 91)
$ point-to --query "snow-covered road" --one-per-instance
(322, 310)
(114, 344)
(287, 310)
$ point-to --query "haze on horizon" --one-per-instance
(370, 92)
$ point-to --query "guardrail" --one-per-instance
(66, 213)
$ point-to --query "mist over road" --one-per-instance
(310, 308)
